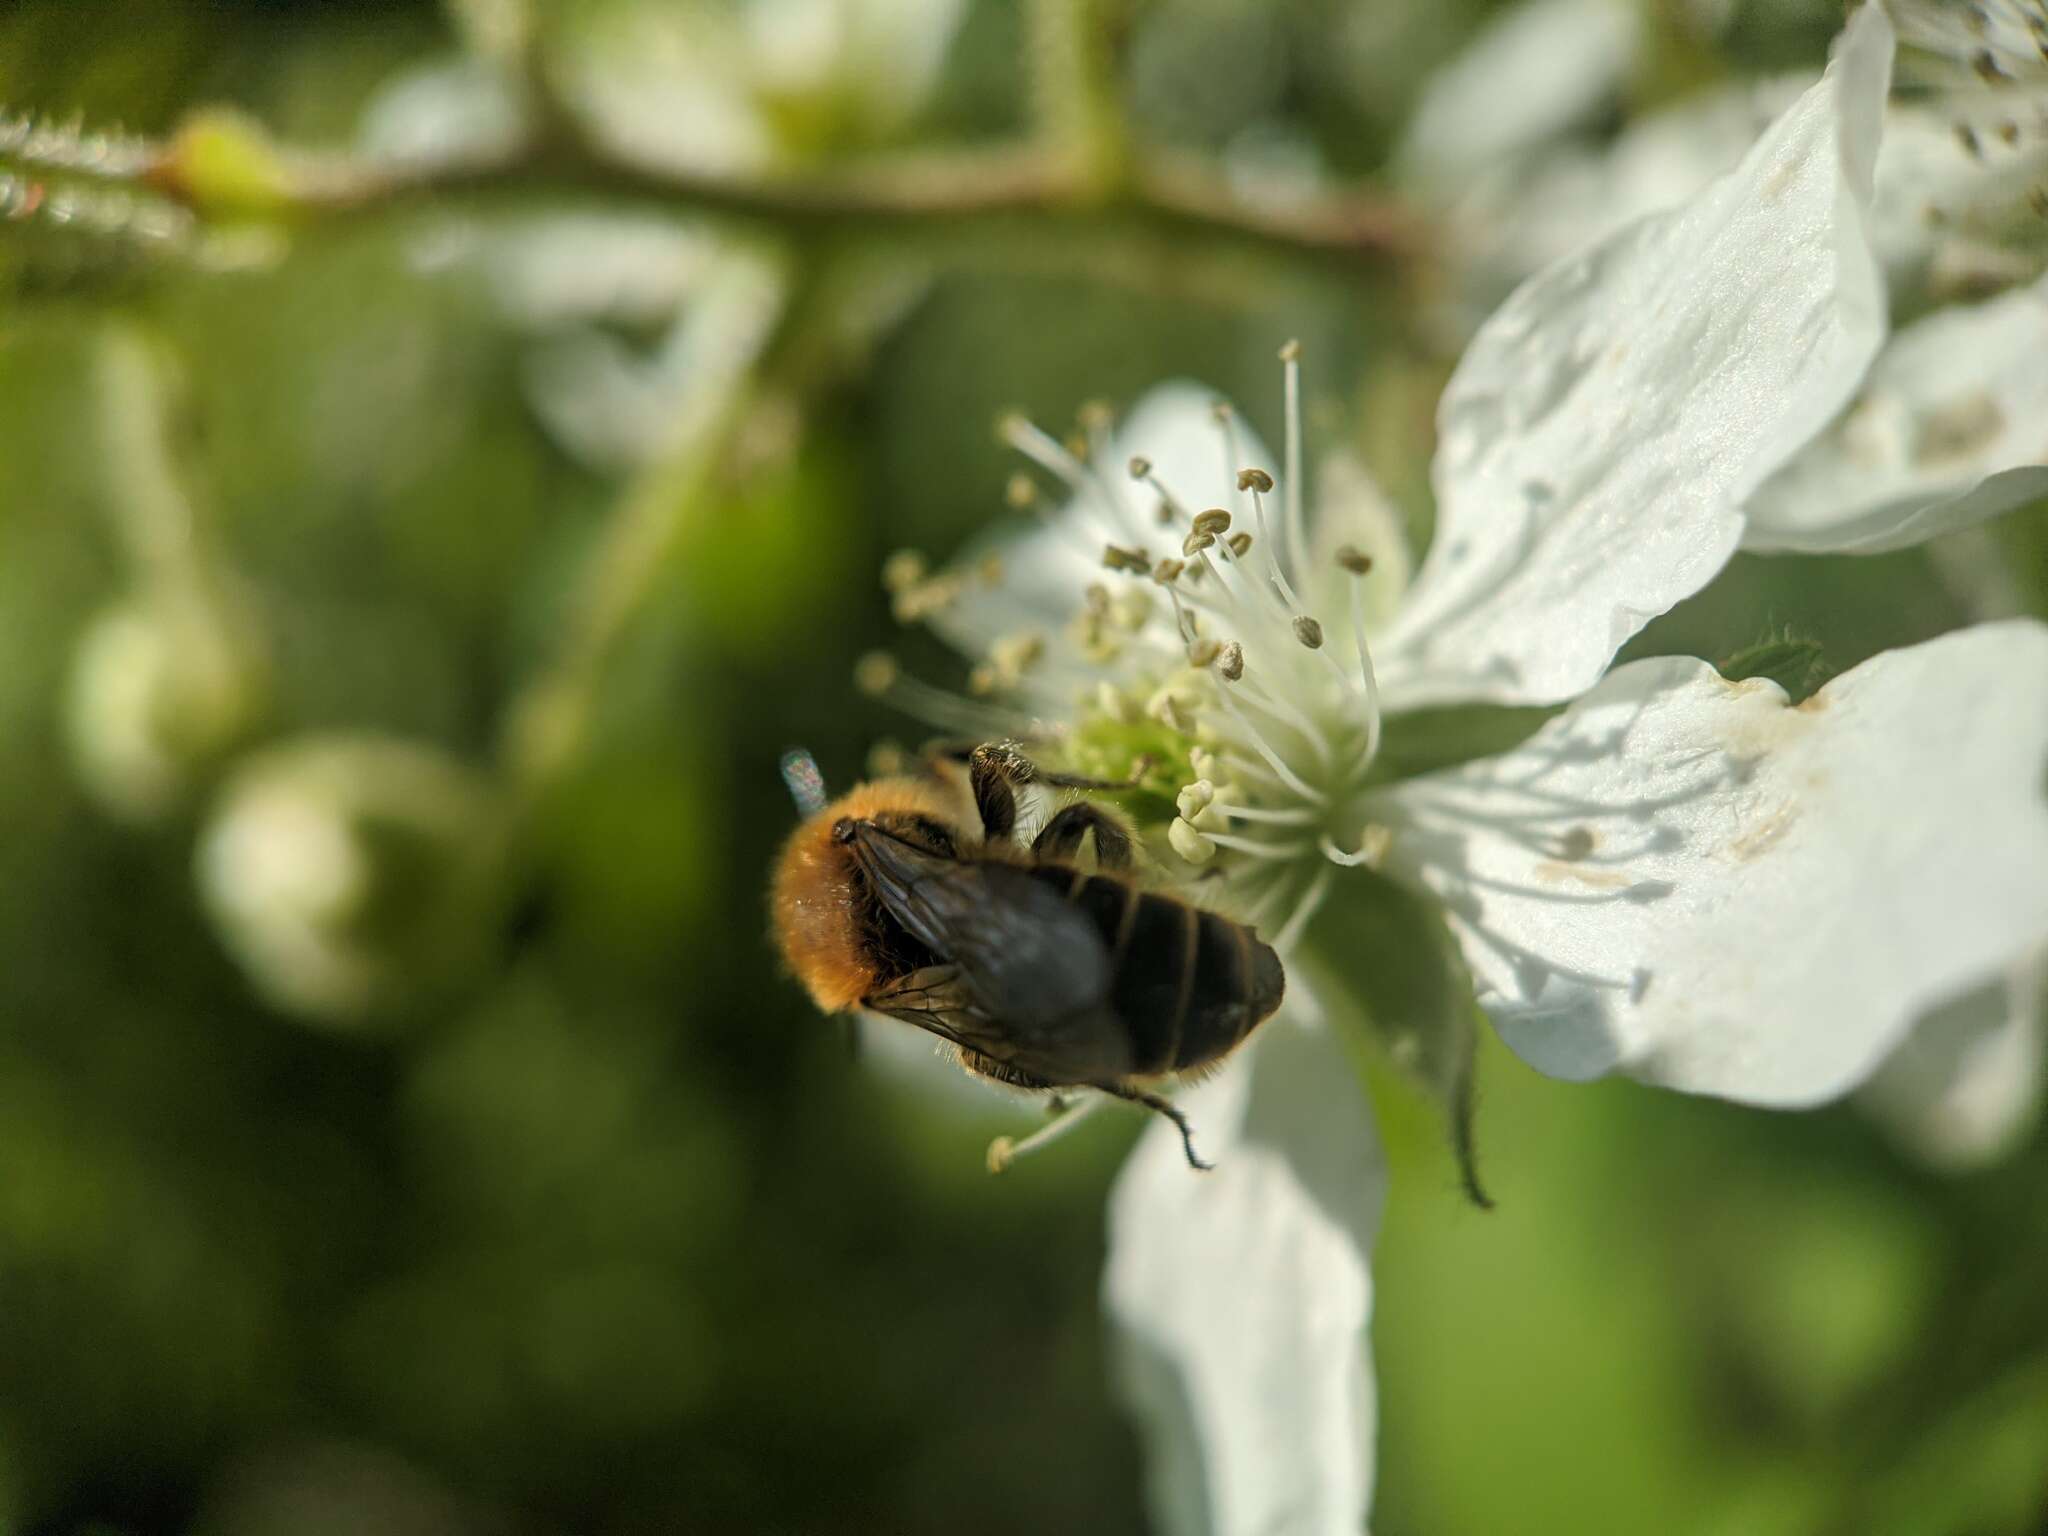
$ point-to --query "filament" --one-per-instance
(1305, 909)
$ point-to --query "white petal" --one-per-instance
(1535, 70)
(1606, 425)
(1966, 1086)
(1351, 508)
(666, 87)
(1526, 216)
(1242, 1295)
(1684, 879)
(1951, 428)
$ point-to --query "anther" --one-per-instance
(1190, 844)
(1014, 655)
(1194, 799)
(1353, 559)
(1021, 492)
(2009, 131)
(1118, 557)
(1116, 704)
(1163, 513)
(1095, 598)
(1166, 572)
(1204, 651)
(903, 570)
(1140, 466)
(1130, 609)
(1195, 543)
(1230, 664)
(1215, 520)
(982, 680)
(1967, 137)
(1240, 544)
(1291, 352)
(2037, 199)
(1254, 480)
(1989, 70)
(875, 673)
(1308, 632)
(1097, 415)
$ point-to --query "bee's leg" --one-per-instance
(996, 768)
(1003, 1151)
(1166, 1107)
(1062, 836)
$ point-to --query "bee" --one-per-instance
(912, 897)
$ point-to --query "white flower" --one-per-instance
(745, 88)
(351, 875)
(1678, 877)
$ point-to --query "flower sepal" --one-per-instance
(1385, 951)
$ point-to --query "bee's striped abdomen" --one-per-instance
(1188, 984)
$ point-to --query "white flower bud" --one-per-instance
(157, 694)
(350, 875)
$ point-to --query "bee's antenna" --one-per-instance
(806, 784)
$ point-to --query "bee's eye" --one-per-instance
(842, 830)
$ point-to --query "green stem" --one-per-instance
(1074, 94)
(730, 324)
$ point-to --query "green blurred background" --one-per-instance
(590, 1225)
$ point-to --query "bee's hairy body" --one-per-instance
(1042, 973)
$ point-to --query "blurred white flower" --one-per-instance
(740, 89)
(1500, 146)
(1537, 70)
(351, 875)
(1679, 877)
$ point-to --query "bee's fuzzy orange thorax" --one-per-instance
(816, 901)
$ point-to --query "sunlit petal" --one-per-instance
(1242, 1296)
(1684, 879)
(1606, 425)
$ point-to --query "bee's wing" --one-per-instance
(1032, 973)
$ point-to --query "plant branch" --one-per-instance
(222, 167)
